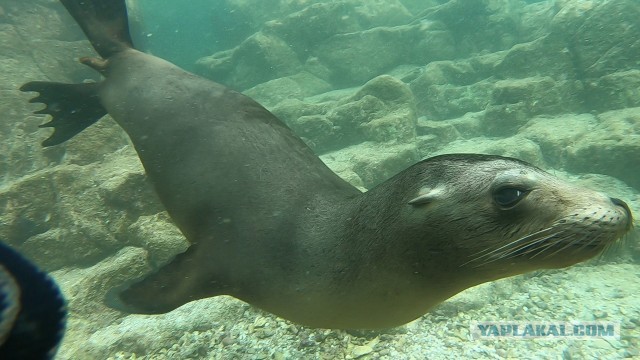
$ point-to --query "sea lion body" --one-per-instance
(243, 189)
(270, 224)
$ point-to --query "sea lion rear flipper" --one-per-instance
(105, 22)
(74, 107)
(169, 287)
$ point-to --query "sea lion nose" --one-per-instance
(624, 205)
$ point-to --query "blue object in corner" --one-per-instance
(32, 309)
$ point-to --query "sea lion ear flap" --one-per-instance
(426, 196)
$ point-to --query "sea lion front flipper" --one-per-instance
(73, 107)
(169, 287)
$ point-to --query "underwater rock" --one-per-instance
(357, 57)
(97, 142)
(611, 149)
(11, 46)
(556, 135)
(397, 122)
(340, 164)
(114, 194)
(316, 131)
(317, 19)
(361, 350)
(86, 288)
(123, 187)
(373, 13)
(461, 72)
(545, 56)
(606, 143)
(376, 167)
(20, 152)
(416, 7)
(258, 59)
(515, 146)
(449, 89)
(350, 117)
(39, 19)
(435, 134)
(448, 101)
(398, 125)
(46, 229)
(383, 110)
(469, 125)
(157, 234)
(535, 20)
(603, 36)
(515, 101)
(371, 163)
(289, 110)
(317, 22)
(50, 60)
(477, 25)
(298, 86)
(280, 47)
(613, 91)
(308, 120)
(321, 20)
(255, 13)
(187, 332)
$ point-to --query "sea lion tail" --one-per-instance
(74, 107)
(105, 22)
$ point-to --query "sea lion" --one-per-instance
(270, 224)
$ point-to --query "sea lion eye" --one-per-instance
(509, 196)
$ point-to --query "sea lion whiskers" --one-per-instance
(521, 242)
(571, 240)
(585, 245)
(616, 245)
(536, 246)
(511, 248)
(530, 246)
(559, 241)
(586, 241)
(610, 247)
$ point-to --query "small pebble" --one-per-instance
(264, 333)
(306, 343)
(600, 314)
(361, 350)
(228, 340)
(260, 322)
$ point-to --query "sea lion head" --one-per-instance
(503, 216)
